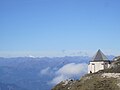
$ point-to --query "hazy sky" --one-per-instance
(59, 27)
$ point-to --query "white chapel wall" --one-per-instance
(96, 66)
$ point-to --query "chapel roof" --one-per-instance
(99, 56)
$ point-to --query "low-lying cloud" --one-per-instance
(69, 71)
(45, 71)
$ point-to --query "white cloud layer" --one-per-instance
(45, 71)
(69, 71)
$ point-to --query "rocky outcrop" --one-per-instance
(108, 79)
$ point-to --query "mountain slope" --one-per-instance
(25, 72)
(108, 79)
(9, 87)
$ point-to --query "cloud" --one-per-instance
(58, 79)
(45, 71)
(69, 71)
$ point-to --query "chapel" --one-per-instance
(98, 62)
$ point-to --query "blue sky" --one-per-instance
(59, 27)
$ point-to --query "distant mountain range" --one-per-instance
(27, 73)
(9, 87)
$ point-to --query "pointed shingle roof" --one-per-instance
(99, 56)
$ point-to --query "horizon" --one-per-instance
(59, 27)
(72, 54)
(110, 57)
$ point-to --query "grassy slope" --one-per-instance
(94, 81)
(91, 82)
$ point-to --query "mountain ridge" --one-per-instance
(108, 79)
(25, 72)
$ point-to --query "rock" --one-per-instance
(108, 79)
